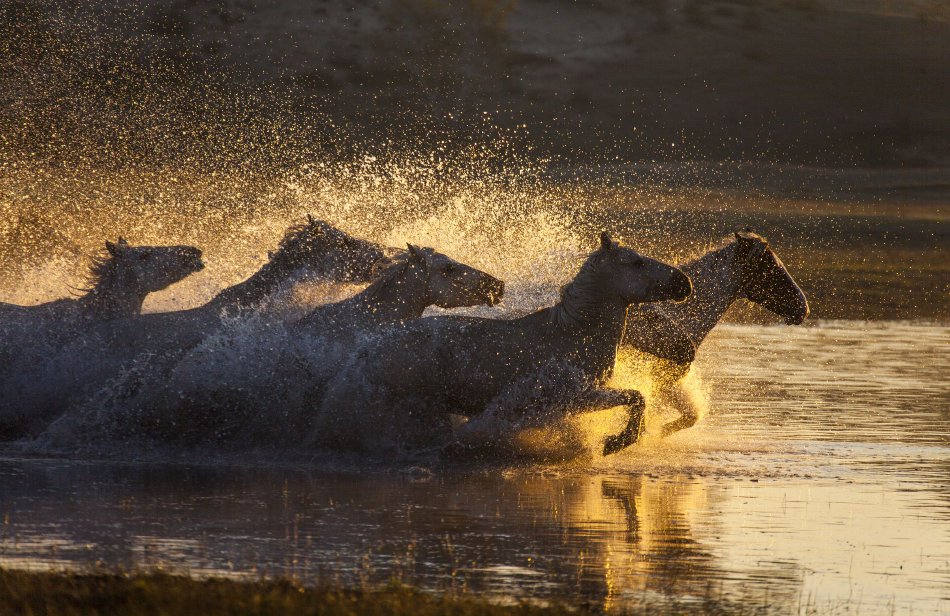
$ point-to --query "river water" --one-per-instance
(818, 480)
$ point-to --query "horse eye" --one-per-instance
(450, 269)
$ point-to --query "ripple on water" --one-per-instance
(816, 480)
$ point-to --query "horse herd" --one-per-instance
(369, 370)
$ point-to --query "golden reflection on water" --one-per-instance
(829, 493)
(817, 475)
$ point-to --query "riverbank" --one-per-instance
(60, 593)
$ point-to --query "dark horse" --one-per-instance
(227, 389)
(119, 280)
(411, 379)
(744, 267)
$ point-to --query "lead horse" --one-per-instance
(746, 267)
(407, 383)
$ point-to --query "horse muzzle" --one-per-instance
(194, 257)
(798, 316)
(681, 287)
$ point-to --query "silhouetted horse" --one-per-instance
(119, 280)
(36, 394)
(744, 267)
(254, 378)
(407, 383)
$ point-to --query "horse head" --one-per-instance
(636, 278)
(145, 269)
(329, 253)
(764, 280)
(452, 284)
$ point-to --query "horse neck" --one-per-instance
(112, 296)
(403, 295)
(252, 291)
(594, 321)
(716, 286)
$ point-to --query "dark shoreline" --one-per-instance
(141, 593)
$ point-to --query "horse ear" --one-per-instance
(415, 252)
(122, 241)
(310, 219)
(605, 241)
(112, 248)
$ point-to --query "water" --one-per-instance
(819, 478)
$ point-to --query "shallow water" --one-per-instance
(819, 479)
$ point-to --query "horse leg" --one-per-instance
(689, 415)
(600, 399)
(631, 432)
(687, 420)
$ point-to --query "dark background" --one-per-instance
(817, 82)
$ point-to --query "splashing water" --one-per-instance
(513, 224)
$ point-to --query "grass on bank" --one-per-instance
(157, 594)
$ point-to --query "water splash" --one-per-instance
(513, 222)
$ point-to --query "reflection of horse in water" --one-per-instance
(745, 267)
(501, 373)
(219, 392)
(647, 541)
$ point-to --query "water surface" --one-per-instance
(818, 479)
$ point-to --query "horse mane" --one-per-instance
(298, 234)
(399, 265)
(102, 266)
(293, 236)
(582, 292)
(706, 250)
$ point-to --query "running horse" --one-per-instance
(744, 267)
(404, 386)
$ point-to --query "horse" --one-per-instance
(411, 379)
(317, 249)
(314, 248)
(745, 266)
(224, 387)
(30, 398)
(403, 291)
(119, 280)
